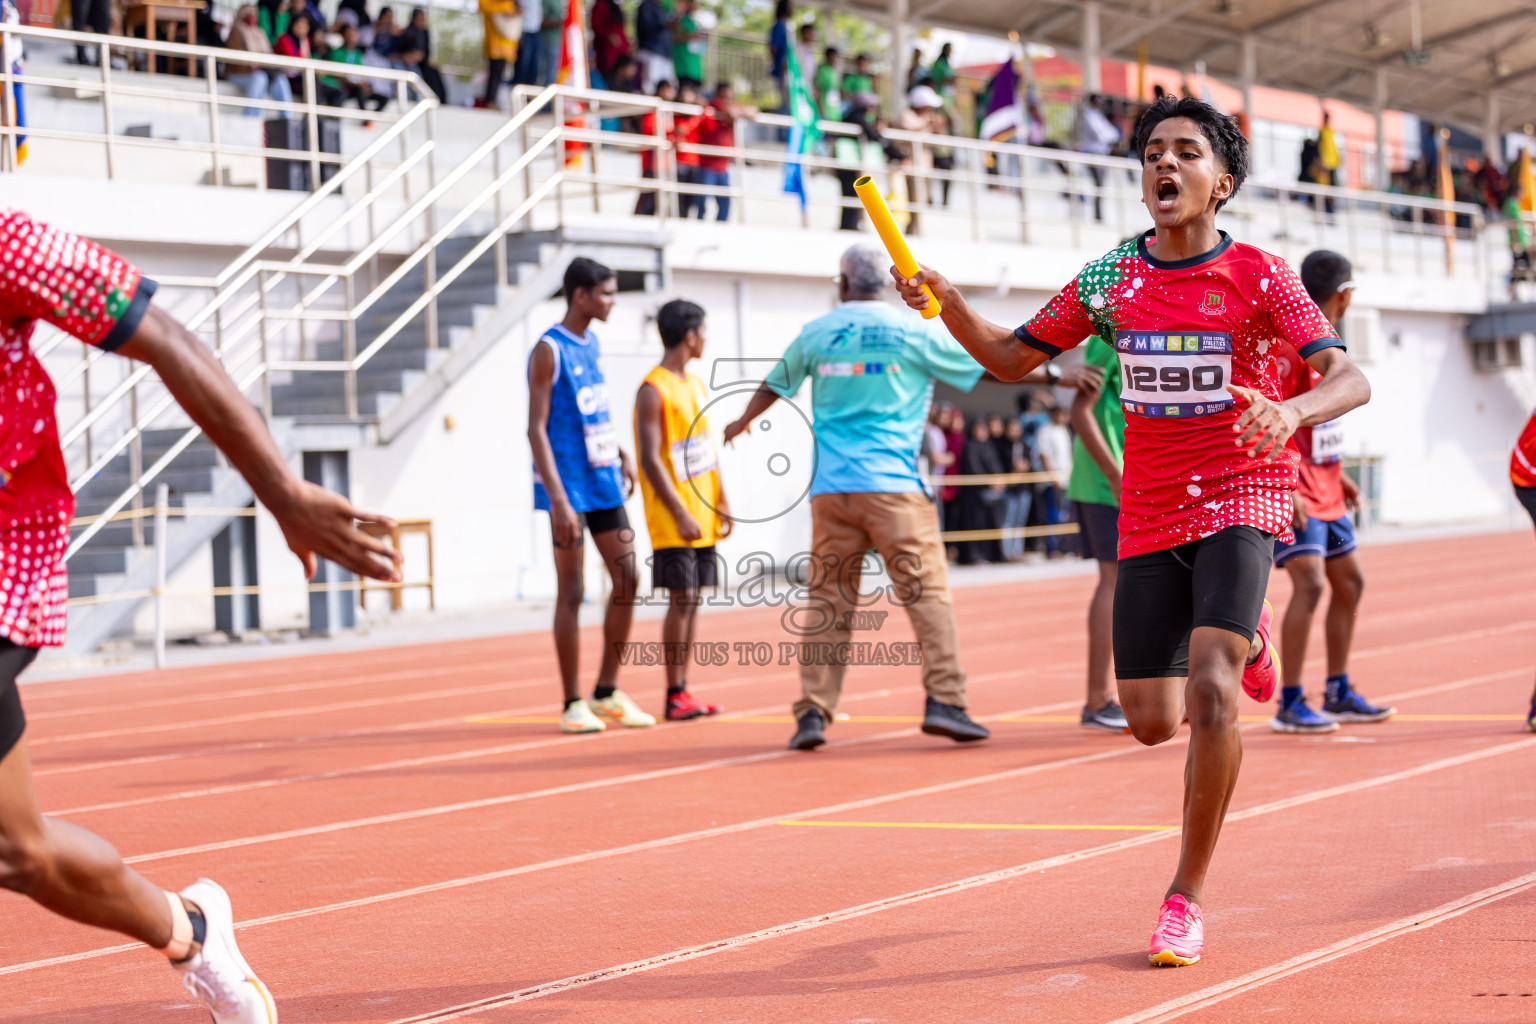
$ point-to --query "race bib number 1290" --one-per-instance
(1177, 375)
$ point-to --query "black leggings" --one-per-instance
(1160, 597)
(13, 660)
(1527, 496)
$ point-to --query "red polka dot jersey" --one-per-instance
(1320, 483)
(1183, 330)
(96, 296)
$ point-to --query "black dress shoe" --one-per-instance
(948, 720)
(810, 732)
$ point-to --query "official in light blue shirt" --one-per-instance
(872, 366)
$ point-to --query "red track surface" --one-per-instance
(394, 858)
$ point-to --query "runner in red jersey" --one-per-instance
(1206, 487)
(98, 297)
(1324, 546)
(1522, 473)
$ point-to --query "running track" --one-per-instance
(407, 839)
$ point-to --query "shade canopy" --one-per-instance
(1472, 62)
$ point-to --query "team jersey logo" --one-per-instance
(1213, 301)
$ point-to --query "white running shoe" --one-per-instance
(218, 975)
(619, 708)
(579, 718)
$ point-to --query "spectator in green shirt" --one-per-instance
(1094, 488)
(942, 74)
(688, 46)
(351, 87)
(829, 86)
(858, 82)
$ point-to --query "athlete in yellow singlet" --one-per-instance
(685, 507)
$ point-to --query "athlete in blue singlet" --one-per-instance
(582, 477)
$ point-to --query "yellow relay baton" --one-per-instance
(890, 234)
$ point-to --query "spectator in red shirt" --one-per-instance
(645, 205)
(101, 299)
(610, 41)
(718, 128)
(685, 137)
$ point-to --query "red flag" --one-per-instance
(573, 72)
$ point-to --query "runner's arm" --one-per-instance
(563, 523)
(1265, 425)
(1093, 439)
(648, 434)
(762, 400)
(317, 523)
(998, 349)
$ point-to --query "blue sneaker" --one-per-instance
(1298, 716)
(1351, 707)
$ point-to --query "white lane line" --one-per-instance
(1175, 1008)
(920, 895)
(426, 759)
(1458, 684)
(259, 716)
(513, 798)
(503, 665)
(650, 844)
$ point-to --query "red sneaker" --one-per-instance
(682, 706)
(1261, 678)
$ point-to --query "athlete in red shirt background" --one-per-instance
(1522, 473)
(98, 297)
(1324, 547)
(1206, 487)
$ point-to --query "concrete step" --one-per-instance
(90, 562)
(369, 380)
(192, 480)
(369, 406)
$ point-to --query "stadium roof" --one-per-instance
(1439, 59)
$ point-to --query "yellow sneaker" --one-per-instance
(579, 718)
(623, 711)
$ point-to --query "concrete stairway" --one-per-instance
(395, 386)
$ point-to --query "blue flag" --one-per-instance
(805, 135)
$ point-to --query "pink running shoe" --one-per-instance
(1180, 936)
(1261, 678)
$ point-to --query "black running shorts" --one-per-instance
(1098, 530)
(1527, 496)
(684, 568)
(1161, 596)
(13, 660)
(601, 520)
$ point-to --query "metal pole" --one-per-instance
(162, 513)
(349, 334)
(211, 68)
(266, 374)
(104, 58)
(312, 118)
(501, 243)
(7, 115)
(740, 188)
(136, 465)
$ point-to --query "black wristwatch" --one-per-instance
(1053, 374)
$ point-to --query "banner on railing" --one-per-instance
(11, 57)
(805, 135)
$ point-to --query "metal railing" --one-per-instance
(999, 192)
(125, 95)
(271, 312)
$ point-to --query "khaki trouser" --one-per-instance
(904, 529)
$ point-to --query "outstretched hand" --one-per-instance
(1265, 425)
(736, 428)
(911, 288)
(318, 523)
